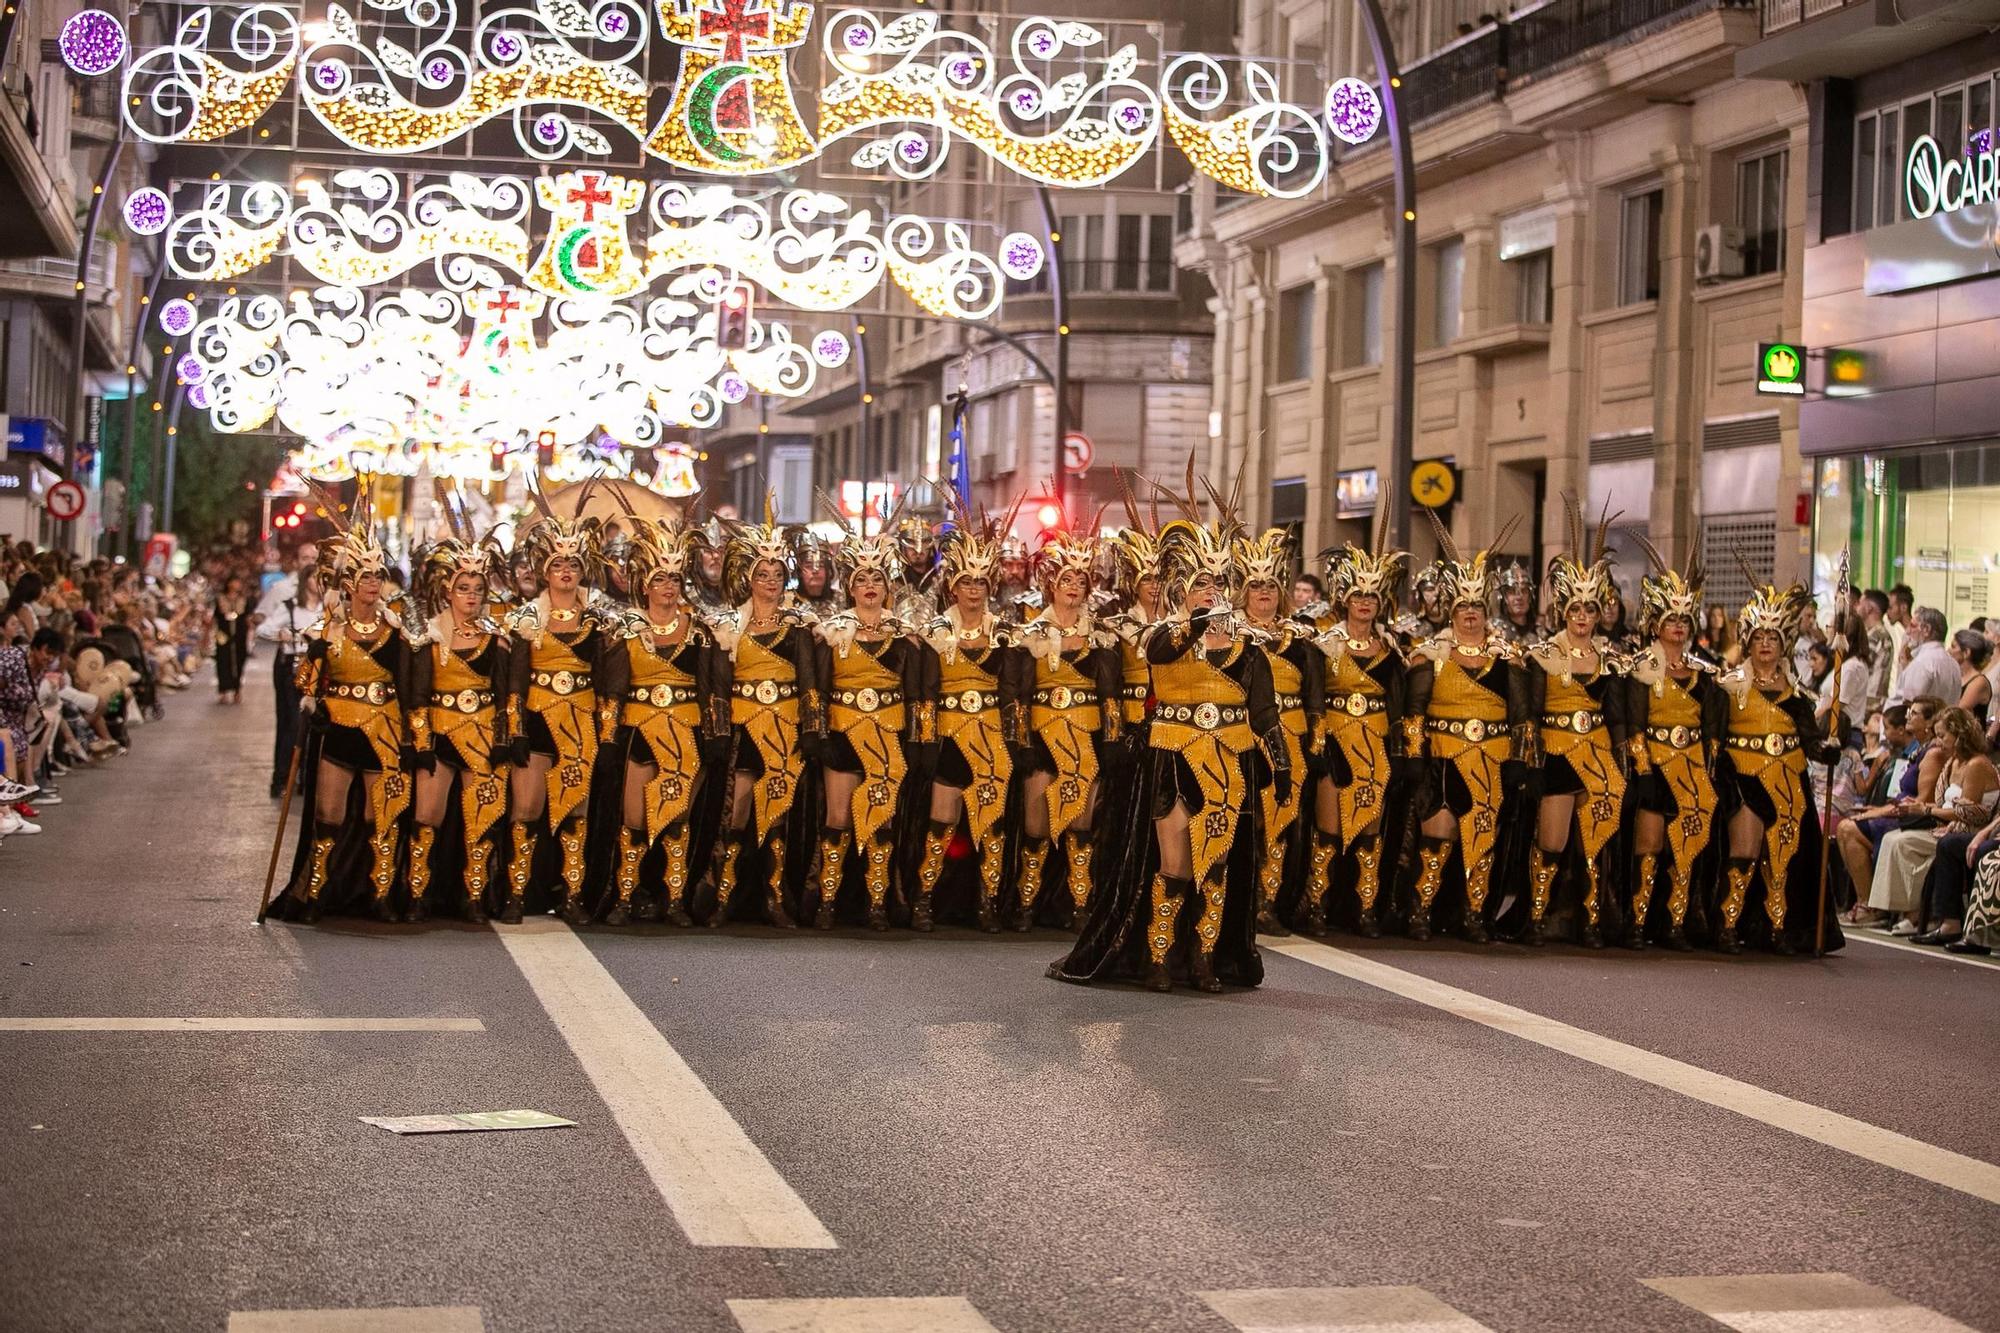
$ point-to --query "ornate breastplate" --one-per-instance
(1458, 693)
(756, 660)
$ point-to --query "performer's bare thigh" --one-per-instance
(434, 794)
(1176, 848)
(531, 788)
(839, 799)
(636, 778)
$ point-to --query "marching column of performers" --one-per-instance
(897, 732)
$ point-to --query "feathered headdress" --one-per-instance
(459, 553)
(657, 547)
(1782, 611)
(1582, 575)
(1353, 572)
(857, 554)
(578, 537)
(972, 548)
(1670, 592)
(351, 553)
(749, 545)
(1265, 558)
(1193, 548)
(1138, 542)
(1468, 582)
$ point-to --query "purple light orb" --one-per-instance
(1353, 111)
(1043, 43)
(912, 148)
(1026, 101)
(858, 37)
(1131, 116)
(177, 316)
(190, 369)
(329, 74)
(1980, 141)
(437, 71)
(197, 396)
(506, 46)
(613, 24)
(147, 211)
(548, 129)
(1021, 256)
(831, 349)
(962, 70)
(92, 42)
(733, 387)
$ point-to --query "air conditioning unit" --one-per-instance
(1718, 253)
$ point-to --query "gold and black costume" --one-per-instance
(776, 705)
(982, 723)
(1298, 672)
(1677, 719)
(1582, 732)
(454, 720)
(1359, 724)
(553, 709)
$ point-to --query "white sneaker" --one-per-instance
(1904, 927)
(11, 823)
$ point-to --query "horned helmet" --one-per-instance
(579, 537)
(656, 547)
(1196, 549)
(1353, 572)
(1137, 544)
(441, 562)
(880, 554)
(1669, 593)
(1581, 576)
(971, 547)
(1781, 611)
(1265, 558)
(748, 545)
(1468, 581)
(352, 553)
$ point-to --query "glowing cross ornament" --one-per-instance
(590, 194)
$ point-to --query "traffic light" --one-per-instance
(545, 450)
(732, 318)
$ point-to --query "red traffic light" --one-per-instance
(1050, 514)
(736, 298)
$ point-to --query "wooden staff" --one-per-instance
(1839, 727)
(278, 843)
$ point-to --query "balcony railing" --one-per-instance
(1556, 33)
(1117, 277)
(1782, 14)
(103, 269)
(1471, 69)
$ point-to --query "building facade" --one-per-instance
(1901, 422)
(1609, 226)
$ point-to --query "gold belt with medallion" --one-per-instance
(1136, 693)
(1473, 729)
(561, 682)
(1582, 721)
(1679, 736)
(1064, 696)
(463, 701)
(377, 692)
(867, 699)
(765, 691)
(1209, 717)
(1773, 744)
(1356, 704)
(1288, 702)
(661, 696)
(969, 701)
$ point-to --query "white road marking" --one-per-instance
(1802, 1303)
(1857, 934)
(392, 1319)
(1338, 1310)
(861, 1314)
(1872, 1143)
(721, 1188)
(241, 1025)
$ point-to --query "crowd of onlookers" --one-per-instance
(87, 648)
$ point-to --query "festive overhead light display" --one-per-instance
(92, 42)
(831, 349)
(1269, 147)
(182, 93)
(177, 316)
(147, 211)
(1022, 256)
(1353, 110)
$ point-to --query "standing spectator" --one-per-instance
(1930, 669)
(1718, 636)
(1307, 591)
(1970, 651)
(1874, 608)
(1901, 602)
(1856, 669)
(282, 620)
(232, 639)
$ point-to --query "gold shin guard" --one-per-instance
(322, 852)
(1591, 871)
(1208, 929)
(1774, 900)
(1736, 885)
(1368, 870)
(1678, 876)
(570, 836)
(1076, 848)
(725, 874)
(1432, 853)
(419, 880)
(832, 865)
(1478, 878)
(382, 871)
(1034, 855)
(937, 837)
(1542, 868)
(1166, 914)
(876, 877)
(478, 865)
(1271, 875)
(1642, 891)
(674, 841)
(992, 865)
(1319, 872)
(631, 851)
(522, 867)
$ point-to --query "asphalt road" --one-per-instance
(1030, 1155)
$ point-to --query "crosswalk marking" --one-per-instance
(721, 1188)
(1338, 1310)
(1802, 1303)
(392, 1319)
(1872, 1143)
(241, 1025)
(862, 1314)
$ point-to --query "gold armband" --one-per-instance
(926, 721)
(306, 678)
(1413, 736)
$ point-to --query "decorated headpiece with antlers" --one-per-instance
(1582, 575)
(1780, 611)
(351, 554)
(857, 554)
(658, 546)
(749, 545)
(460, 553)
(1193, 548)
(972, 547)
(1138, 542)
(578, 537)
(1353, 572)
(1468, 582)
(1265, 558)
(1669, 592)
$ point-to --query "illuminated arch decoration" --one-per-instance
(1270, 147)
(181, 93)
(733, 111)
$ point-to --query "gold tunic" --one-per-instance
(360, 694)
(1674, 746)
(865, 704)
(662, 705)
(1763, 744)
(461, 710)
(1067, 714)
(969, 717)
(1573, 730)
(1203, 716)
(1288, 683)
(766, 706)
(1467, 727)
(559, 690)
(1357, 720)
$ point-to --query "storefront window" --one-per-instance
(1926, 517)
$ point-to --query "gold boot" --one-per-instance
(1642, 900)
(876, 878)
(520, 868)
(1432, 853)
(1034, 855)
(419, 879)
(674, 842)
(1319, 879)
(774, 891)
(570, 837)
(726, 872)
(1207, 930)
(1076, 850)
(1736, 878)
(992, 857)
(1591, 939)
(937, 838)
(1774, 909)
(1270, 878)
(1541, 883)
(382, 872)
(1368, 882)
(478, 864)
(1678, 876)
(832, 866)
(322, 852)
(1478, 878)
(631, 851)
(1168, 897)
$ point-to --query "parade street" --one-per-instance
(898, 1133)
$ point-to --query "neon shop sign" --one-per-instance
(1933, 183)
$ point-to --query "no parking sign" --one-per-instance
(65, 501)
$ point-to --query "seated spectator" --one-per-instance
(1962, 800)
(1909, 779)
(1971, 652)
(1951, 877)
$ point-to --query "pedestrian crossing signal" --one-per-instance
(732, 319)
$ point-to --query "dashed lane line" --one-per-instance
(861, 1314)
(1859, 935)
(1802, 1303)
(241, 1025)
(387, 1319)
(1338, 1310)
(1872, 1143)
(721, 1188)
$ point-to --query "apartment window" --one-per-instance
(1639, 247)
(1864, 173)
(1760, 211)
(1364, 321)
(1296, 313)
(1447, 291)
(1117, 252)
(1534, 287)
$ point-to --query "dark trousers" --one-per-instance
(1950, 878)
(288, 719)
